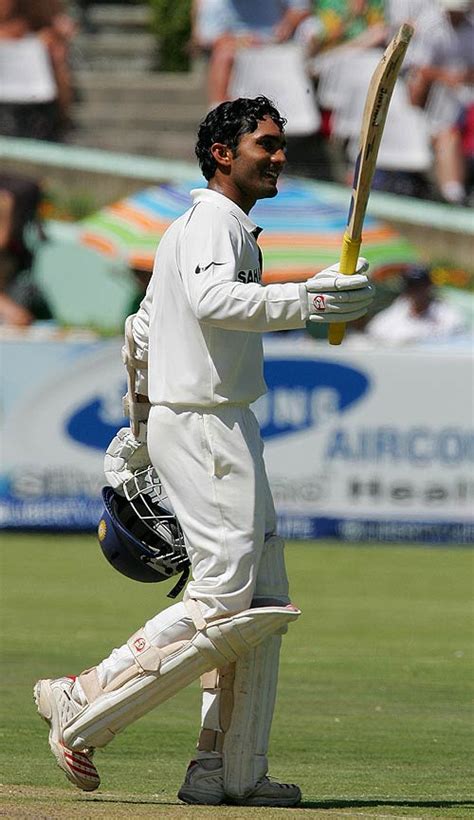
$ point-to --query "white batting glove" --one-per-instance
(331, 296)
(124, 455)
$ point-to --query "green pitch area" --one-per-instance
(372, 717)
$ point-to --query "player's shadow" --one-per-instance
(306, 804)
(363, 804)
(130, 801)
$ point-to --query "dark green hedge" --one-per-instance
(171, 23)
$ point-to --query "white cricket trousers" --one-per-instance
(212, 468)
(211, 464)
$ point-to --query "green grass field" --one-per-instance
(373, 714)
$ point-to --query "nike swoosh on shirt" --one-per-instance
(201, 270)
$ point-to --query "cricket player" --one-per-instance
(199, 362)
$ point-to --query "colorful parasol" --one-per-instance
(302, 233)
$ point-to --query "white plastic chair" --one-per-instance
(278, 72)
(334, 68)
(343, 85)
(405, 144)
(25, 71)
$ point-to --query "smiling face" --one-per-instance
(251, 172)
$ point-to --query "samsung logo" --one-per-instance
(304, 393)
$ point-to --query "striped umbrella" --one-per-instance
(303, 229)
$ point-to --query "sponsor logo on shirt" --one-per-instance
(202, 268)
(254, 275)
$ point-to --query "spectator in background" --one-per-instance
(220, 27)
(360, 23)
(416, 315)
(83, 10)
(21, 302)
(441, 80)
(36, 88)
(346, 31)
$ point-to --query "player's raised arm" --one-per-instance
(221, 272)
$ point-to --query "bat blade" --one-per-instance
(375, 113)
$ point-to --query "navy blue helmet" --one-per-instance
(140, 535)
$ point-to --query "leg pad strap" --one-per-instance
(218, 703)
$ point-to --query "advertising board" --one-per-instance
(361, 444)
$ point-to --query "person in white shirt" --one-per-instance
(440, 60)
(198, 331)
(221, 27)
(416, 315)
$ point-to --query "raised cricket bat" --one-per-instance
(378, 99)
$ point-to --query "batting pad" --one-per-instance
(246, 740)
(239, 699)
(159, 673)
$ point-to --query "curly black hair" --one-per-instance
(228, 122)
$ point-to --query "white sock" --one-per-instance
(169, 626)
(453, 191)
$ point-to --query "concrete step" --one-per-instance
(113, 15)
(111, 50)
(145, 116)
(164, 144)
(144, 87)
(123, 104)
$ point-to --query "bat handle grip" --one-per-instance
(347, 265)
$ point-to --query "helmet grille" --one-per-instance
(149, 511)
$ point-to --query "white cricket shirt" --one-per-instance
(205, 308)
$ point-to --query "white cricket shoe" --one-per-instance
(57, 708)
(204, 785)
